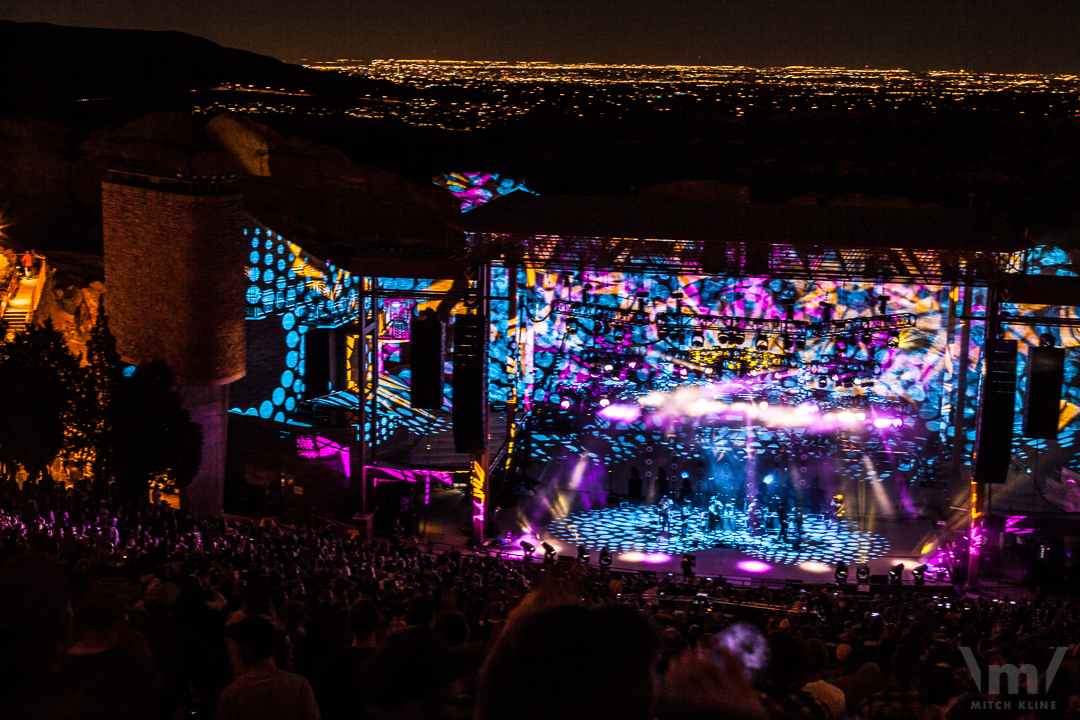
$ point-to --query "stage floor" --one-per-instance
(636, 528)
(634, 538)
(883, 543)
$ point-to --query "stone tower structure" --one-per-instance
(174, 256)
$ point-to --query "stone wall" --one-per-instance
(173, 267)
(209, 406)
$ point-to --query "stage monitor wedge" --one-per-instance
(426, 356)
(1046, 373)
(994, 427)
(470, 383)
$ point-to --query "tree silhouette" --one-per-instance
(92, 424)
(151, 434)
(39, 379)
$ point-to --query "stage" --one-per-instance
(636, 528)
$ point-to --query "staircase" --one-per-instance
(21, 300)
(15, 320)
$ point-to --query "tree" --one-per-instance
(39, 379)
(150, 433)
(89, 432)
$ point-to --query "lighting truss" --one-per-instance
(735, 358)
(876, 323)
(673, 321)
(745, 259)
(605, 313)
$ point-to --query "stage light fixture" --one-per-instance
(841, 342)
(604, 402)
(583, 554)
(896, 574)
(823, 383)
(608, 367)
(762, 342)
(863, 573)
(918, 575)
(867, 339)
(800, 343)
(1047, 340)
(529, 548)
(549, 552)
(632, 364)
(565, 404)
(605, 557)
(841, 573)
(697, 339)
(571, 327)
(722, 339)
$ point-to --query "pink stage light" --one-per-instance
(753, 566)
(620, 413)
(311, 447)
(882, 423)
(651, 558)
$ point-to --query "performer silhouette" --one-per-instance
(634, 486)
(664, 508)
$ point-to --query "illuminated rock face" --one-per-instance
(175, 294)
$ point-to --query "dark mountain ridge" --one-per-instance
(46, 70)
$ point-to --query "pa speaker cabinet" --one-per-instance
(426, 349)
(1046, 373)
(470, 383)
(993, 436)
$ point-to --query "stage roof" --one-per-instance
(756, 223)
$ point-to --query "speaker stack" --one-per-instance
(470, 384)
(993, 437)
(426, 351)
(1046, 373)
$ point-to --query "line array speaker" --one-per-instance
(426, 355)
(317, 362)
(470, 383)
(1046, 373)
(994, 427)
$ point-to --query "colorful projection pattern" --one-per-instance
(919, 375)
(632, 528)
(478, 188)
(291, 287)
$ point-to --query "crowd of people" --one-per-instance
(110, 611)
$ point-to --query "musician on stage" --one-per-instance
(781, 518)
(664, 508)
(687, 511)
(716, 509)
(836, 510)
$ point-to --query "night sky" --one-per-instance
(981, 35)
